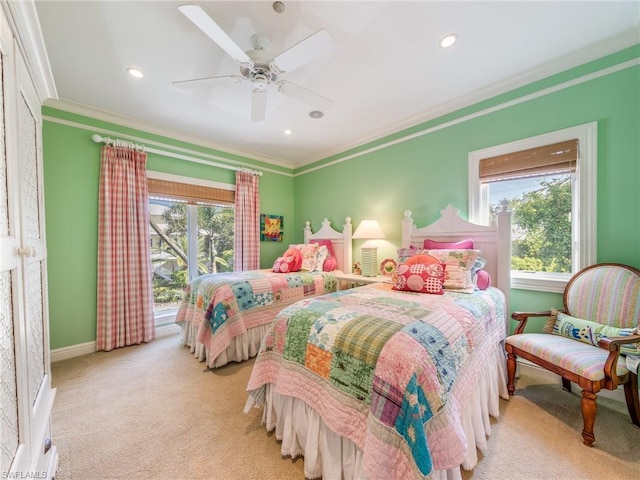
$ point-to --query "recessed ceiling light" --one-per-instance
(288, 131)
(449, 40)
(134, 72)
(316, 114)
(278, 7)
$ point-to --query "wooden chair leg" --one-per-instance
(566, 385)
(631, 395)
(511, 372)
(589, 411)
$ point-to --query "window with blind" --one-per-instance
(548, 182)
(191, 234)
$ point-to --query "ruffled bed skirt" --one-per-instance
(327, 454)
(243, 347)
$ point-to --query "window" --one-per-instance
(191, 230)
(549, 183)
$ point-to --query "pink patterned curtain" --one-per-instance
(246, 252)
(125, 294)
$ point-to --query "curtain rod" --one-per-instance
(112, 141)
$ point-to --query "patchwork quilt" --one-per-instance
(380, 365)
(225, 305)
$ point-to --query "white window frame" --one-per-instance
(584, 202)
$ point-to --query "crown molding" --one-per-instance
(137, 124)
(25, 24)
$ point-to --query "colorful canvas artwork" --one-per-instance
(271, 227)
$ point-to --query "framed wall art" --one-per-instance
(271, 227)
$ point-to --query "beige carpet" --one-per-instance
(153, 412)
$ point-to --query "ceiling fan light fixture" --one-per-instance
(134, 72)
(316, 114)
(449, 40)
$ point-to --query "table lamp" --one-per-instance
(371, 231)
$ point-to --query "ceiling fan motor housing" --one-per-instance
(260, 72)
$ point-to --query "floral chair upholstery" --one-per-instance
(590, 339)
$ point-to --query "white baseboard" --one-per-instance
(528, 368)
(89, 347)
(72, 351)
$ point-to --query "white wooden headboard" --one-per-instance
(494, 241)
(341, 241)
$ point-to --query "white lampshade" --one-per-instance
(369, 230)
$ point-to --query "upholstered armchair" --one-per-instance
(589, 341)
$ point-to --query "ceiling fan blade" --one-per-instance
(303, 52)
(204, 22)
(258, 105)
(208, 81)
(303, 95)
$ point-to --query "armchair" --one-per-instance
(591, 339)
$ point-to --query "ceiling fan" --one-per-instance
(259, 66)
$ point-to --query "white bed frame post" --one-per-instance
(347, 231)
(504, 254)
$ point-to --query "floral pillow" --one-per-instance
(460, 263)
(420, 277)
(326, 243)
(406, 253)
(590, 332)
(309, 253)
(323, 254)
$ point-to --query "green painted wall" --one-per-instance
(426, 173)
(71, 173)
(422, 174)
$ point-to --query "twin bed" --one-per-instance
(377, 383)
(373, 382)
(224, 316)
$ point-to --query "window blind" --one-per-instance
(189, 193)
(548, 159)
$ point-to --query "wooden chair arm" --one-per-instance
(612, 345)
(522, 318)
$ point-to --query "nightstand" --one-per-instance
(350, 280)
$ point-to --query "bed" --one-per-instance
(378, 383)
(224, 316)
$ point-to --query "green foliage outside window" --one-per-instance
(215, 248)
(541, 221)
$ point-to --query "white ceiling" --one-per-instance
(386, 72)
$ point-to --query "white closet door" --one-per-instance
(33, 247)
(13, 454)
(26, 396)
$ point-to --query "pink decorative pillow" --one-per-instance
(421, 258)
(433, 245)
(482, 279)
(420, 278)
(291, 261)
(277, 264)
(330, 264)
